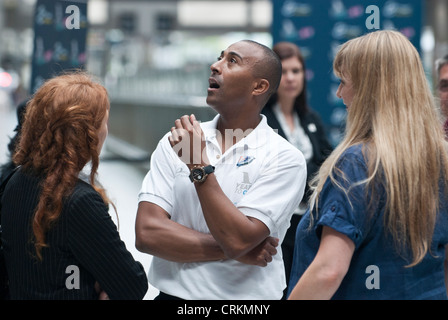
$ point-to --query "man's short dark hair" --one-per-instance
(269, 68)
(440, 63)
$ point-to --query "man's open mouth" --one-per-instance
(213, 84)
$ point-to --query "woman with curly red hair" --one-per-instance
(52, 220)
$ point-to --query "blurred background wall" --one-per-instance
(154, 56)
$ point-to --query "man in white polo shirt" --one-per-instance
(219, 196)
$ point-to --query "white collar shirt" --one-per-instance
(263, 175)
(296, 136)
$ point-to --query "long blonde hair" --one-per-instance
(394, 116)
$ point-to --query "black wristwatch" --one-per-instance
(199, 174)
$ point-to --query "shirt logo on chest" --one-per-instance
(245, 160)
(244, 186)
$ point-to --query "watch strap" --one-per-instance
(209, 169)
(206, 171)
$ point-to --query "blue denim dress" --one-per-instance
(377, 270)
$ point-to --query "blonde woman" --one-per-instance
(378, 227)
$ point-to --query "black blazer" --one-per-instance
(84, 246)
(314, 129)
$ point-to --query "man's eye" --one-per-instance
(219, 58)
(443, 85)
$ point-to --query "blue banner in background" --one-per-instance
(60, 31)
(319, 27)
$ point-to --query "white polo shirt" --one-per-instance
(263, 175)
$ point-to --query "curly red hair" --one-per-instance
(59, 137)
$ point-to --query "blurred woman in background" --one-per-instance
(288, 112)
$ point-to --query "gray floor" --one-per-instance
(121, 179)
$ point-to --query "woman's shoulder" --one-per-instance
(84, 206)
(354, 150)
(83, 185)
(83, 192)
(354, 155)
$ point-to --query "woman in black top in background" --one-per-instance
(289, 113)
(58, 237)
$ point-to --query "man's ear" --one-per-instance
(261, 87)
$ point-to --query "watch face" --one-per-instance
(198, 174)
